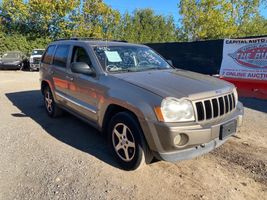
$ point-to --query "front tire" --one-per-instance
(127, 142)
(50, 105)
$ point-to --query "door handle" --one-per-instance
(69, 78)
(50, 72)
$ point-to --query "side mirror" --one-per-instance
(82, 68)
(170, 62)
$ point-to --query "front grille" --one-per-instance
(215, 107)
(36, 60)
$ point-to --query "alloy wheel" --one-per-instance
(123, 142)
(48, 101)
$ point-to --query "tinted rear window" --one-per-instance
(61, 55)
(48, 54)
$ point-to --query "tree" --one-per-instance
(145, 26)
(13, 16)
(33, 24)
(213, 19)
(36, 18)
(27, 24)
(95, 19)
(50, 18)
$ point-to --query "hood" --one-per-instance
(10, 60)
(36, 56)
(177, 83)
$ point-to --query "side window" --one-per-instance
(48, 55)
(80, 55)
(61, 56)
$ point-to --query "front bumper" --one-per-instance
(191, 152)
(10, 66)
(34, 66)
(202, 138)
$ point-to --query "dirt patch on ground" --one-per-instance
(251, 159)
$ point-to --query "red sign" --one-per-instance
(254, 56)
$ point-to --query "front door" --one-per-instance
(84, 89)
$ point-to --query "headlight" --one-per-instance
(175, 110)
(236, 95)
(31, 59)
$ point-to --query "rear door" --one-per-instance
(46, 64)
(59, 71)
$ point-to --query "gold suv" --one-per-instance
(144, 106)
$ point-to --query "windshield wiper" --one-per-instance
(122, 70)
(151, 68)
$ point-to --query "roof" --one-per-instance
(13, 52)
(94, 42)
(110, 43)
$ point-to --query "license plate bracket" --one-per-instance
(227, 129)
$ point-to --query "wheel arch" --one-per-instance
(111, 111)
(45, 84)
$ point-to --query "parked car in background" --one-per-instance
(145, 107)
(35, 59)
(14, 60)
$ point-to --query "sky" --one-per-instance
(165, 7)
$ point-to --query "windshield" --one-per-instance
(38, 52)
(129, 59)
(11, 55)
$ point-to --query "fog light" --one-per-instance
(180, 139)
(177, 139)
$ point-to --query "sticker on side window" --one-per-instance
(113, 56)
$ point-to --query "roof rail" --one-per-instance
(88, 38)
(60, 39)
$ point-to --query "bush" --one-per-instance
(22, 43)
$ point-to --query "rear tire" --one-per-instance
(51, 107)
(127, 142)
(21, 68)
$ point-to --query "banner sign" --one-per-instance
(245, 58)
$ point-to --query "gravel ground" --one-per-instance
(43, 158)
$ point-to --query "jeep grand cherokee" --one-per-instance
(146, 108)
